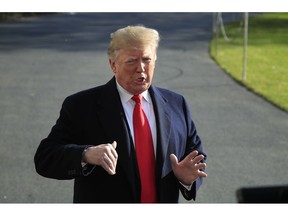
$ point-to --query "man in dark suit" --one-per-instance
(94, 138)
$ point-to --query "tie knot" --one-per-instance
(137, 98)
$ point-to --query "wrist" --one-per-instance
(84, 155)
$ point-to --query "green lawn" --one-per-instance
(267, 55)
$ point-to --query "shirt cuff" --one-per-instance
(86, 168)
(188, 187)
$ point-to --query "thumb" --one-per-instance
(114, 144)
(174, 160)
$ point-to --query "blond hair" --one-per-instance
(132, 37)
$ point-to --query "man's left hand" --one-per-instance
(188, 170)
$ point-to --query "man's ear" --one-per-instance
(112, 65)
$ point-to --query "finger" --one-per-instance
(109, 161)
(174, 160)
(112, 162)
(192, 155)
(200, 166)
(108, 165)
(109, 170)
(202, 174)
(112, 153)
(197, 159)
(113, 150)
(114, 144)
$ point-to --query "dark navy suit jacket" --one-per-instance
(96, 116)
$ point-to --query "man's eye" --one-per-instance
(131, 61)
(148, 60)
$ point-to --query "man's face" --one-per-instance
(134, 69)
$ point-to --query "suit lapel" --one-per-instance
(163, 120)
(114, 123)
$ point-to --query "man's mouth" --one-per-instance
(140, 80)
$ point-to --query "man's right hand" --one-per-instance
(104, 155)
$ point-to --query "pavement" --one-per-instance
(44, 59)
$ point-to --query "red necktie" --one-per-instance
(144, 152)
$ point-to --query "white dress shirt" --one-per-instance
(128, 104)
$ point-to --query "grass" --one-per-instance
(267, 56)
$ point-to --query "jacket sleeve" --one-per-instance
(193, 143)
(59, 155)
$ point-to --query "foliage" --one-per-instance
(267, 54)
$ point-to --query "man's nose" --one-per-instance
(141, 67)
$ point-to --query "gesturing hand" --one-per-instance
(188, 170)
(103, 155)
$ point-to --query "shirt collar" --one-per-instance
(126, 96)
